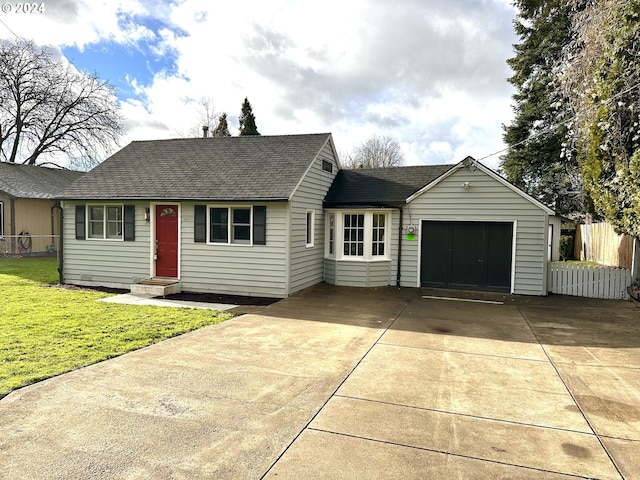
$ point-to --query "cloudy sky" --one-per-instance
(429, 73)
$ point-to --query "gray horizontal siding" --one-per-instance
(330, 271)
(306, 263)
(106, 262)
(255, 270)
(357, 273)
(485, 200)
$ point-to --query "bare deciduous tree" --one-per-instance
(207, 117)
(48, 109)
(375, 152)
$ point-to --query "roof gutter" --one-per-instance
(61, 243)
(149, 199)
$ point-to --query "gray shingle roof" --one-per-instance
(28, 181)
(381, 186)
(228, 168)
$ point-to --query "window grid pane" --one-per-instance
(219, 228)
(354, 234)
(241, 225)
(96, 222)
(309, 228)
(114, 222)
(377, 247)
(331, 229)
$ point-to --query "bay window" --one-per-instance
(357, 235)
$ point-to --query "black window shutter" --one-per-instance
(260, 225)
(200, 224)
(129, 222)
(81, 230)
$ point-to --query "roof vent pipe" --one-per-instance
(205, 131)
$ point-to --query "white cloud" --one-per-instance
(430, 74)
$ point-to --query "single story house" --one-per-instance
(29, 219)
(271, 215)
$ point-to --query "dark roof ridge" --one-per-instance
(232, 137)
(403, 166)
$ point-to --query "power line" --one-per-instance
(7, 27)
(564, 122)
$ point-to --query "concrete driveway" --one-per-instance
(350, 383)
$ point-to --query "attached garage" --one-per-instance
(461, 227)
(466, 255)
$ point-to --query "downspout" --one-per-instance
(399, 249)
(61, 243)
(12, 229)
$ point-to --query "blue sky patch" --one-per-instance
(120, 63)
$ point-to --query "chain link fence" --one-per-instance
(25, 245)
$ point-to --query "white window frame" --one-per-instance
(331, 235)
(338, 241)
(310, 228)
(105, 221)
(1, 219)
(230, 225)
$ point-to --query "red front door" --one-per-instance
(167, 241)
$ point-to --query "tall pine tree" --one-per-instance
(222, 127)
(247, 120)
(536, 161)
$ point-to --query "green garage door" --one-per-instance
(466, 255)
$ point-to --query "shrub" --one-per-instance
(566, 247)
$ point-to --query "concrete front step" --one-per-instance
(156, 287)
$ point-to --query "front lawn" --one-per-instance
(46, 330)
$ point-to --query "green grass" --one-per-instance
(586, 263)
(46, 330)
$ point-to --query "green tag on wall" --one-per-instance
(410, 236)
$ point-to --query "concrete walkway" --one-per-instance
(350, 383)
(141, 299)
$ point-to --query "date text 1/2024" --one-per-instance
(22, 8)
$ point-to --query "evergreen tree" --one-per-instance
(601, 79)
(535, 160)
(222, 128)
(247, 120)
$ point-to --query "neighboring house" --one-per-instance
(28, 213)
(271, 215)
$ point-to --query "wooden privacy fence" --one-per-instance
(598, 242)
(589, 281)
